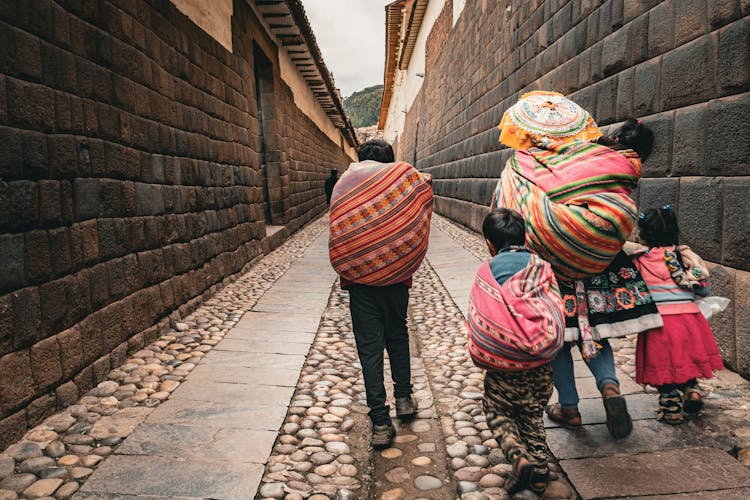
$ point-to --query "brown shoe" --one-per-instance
(619, 423)
(570, 418)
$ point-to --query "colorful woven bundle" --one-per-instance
(517, 325)
(575, 200)
(541, 118)
(380, 223)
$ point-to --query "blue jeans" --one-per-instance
(602, 367)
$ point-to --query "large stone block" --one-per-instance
(63, 156)
(734, 56)
(11, 154)
(742, 321)
(606, 101)
(27, 317)
(727, 151)
(30, 106)
(721, 12)
(735, 241)
(18, 205)
(71, 351)
(690, 20)
(647, 84)
(78, 296)
(20, 388)
(12, 428)
(6, 324)
(699, 215)
(660, 31)
(45, 363)
(59, 250)
(689, 144)
(85, 199)
(660, 161)
(723, 285)
(616, 52)
(625, 91)
(12, 262)
(680, 87)
(655, 193)
(54, 306)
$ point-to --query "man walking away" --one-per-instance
(330, 182)
(378, 233)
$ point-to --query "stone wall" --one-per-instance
(682, 65)
(130, 183)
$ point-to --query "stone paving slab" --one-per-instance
(267, 347)
(586, 386)
(167, 477)
(648, 436)
(732, 494)
(220, 392)
(252, 360)
(242, 414)
(455, 265)
(278, 336)
(197, 441)
(640, 406)
(109, 496)
(270, 375)
(674, 471)
(213, 435)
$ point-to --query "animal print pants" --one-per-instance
(514, 404)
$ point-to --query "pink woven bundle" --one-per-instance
(517, 325)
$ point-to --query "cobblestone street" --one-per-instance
(260, 390)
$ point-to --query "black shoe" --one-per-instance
(406, 408)
(382, 436)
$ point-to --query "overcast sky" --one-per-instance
(351, 37)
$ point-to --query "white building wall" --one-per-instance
(306, 101)
(406, 84)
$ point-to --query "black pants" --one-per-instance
(379, 322)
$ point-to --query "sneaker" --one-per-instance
(406, 408)
(382, 436)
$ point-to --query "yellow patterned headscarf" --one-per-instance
(541, 117)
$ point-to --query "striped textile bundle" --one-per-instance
(380, 222)
(517, 325)
(575, 200)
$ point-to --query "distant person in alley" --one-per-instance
(378, 233)
(516, 327)
(330, 183)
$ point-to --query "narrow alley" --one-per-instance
(260, 390)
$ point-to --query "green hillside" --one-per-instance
(363, 107)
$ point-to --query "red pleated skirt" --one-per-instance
(683, 349)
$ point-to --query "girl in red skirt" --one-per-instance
(673, 357)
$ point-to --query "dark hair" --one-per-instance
(377, 150)
(504, 227)
(634, 135)
(657, 227)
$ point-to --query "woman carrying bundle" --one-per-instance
(574, 194)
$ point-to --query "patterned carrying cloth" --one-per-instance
(517, 325)
(618, 302)
(380, 222)
(575, 200)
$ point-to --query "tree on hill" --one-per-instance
(363, 107)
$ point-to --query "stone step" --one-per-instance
(670, 472)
